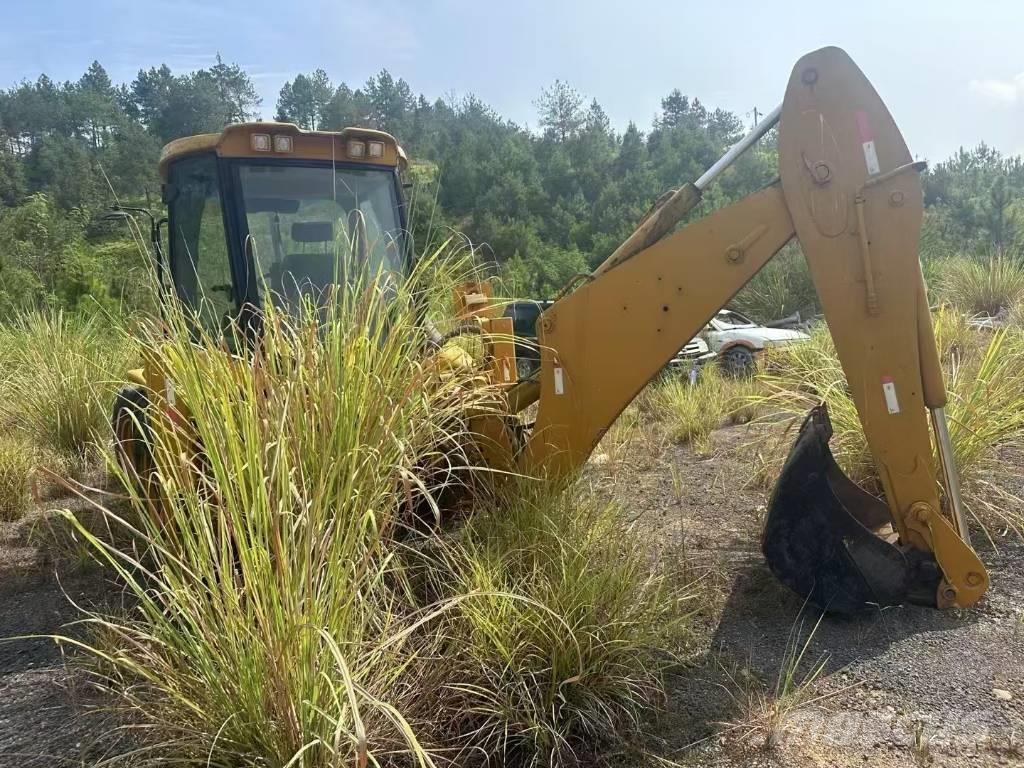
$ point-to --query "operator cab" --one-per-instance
(269, 211)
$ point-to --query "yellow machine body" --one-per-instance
(849, 192)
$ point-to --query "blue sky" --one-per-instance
(951, 72)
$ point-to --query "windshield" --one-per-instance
(303, 228)
(524, 316)
(728, 320)
(309, 224)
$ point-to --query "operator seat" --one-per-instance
(310, 272)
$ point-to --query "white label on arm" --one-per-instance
(871, 158)
(889, 389)
(559, 383)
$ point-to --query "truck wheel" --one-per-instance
(131, 434)
(738, 361)
(525, 367)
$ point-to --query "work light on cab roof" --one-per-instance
(268, 211)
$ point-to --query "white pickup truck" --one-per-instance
(737, 340)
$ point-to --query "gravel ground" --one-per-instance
(906, 686)
(50, 715)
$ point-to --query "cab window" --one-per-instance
(199, 263)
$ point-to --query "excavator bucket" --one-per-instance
(824, 536)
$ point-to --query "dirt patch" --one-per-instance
(908, 685)
(50, 713)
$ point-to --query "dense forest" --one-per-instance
(541, 204)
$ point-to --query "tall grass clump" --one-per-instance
(60, 375)
(273, 624)
(691, 412)
(564, 647)
(17, 464)
(290, 606)
(984, 374)
(990, 287)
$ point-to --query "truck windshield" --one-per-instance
(311, 226)
(727, 320)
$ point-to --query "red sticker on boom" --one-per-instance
(864, 127)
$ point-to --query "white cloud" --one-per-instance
(1009, 91)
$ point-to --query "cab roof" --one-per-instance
(237, 141)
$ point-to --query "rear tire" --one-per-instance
(132, 435)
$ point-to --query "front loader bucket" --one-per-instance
(821, 535)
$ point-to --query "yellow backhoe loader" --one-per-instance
(848, 190)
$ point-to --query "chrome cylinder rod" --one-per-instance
(670, 210)
(739, 148)
(950, 476)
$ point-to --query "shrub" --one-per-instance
(47, 260)
(567, 630)
(61, 372)
(990, 287)
(17, 462)
(691, 412)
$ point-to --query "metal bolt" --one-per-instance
(734, 254)
(822, 172)
(920, 512)
(896, 199)
(974, 579)
(949, 593)
(809, 76)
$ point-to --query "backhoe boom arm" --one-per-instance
(849, 191)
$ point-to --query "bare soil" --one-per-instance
(50, 712)
(907, 686)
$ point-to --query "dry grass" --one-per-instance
(633, 429)
(989, 286)
(17, 466)
(766, 710)
(691, 412)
